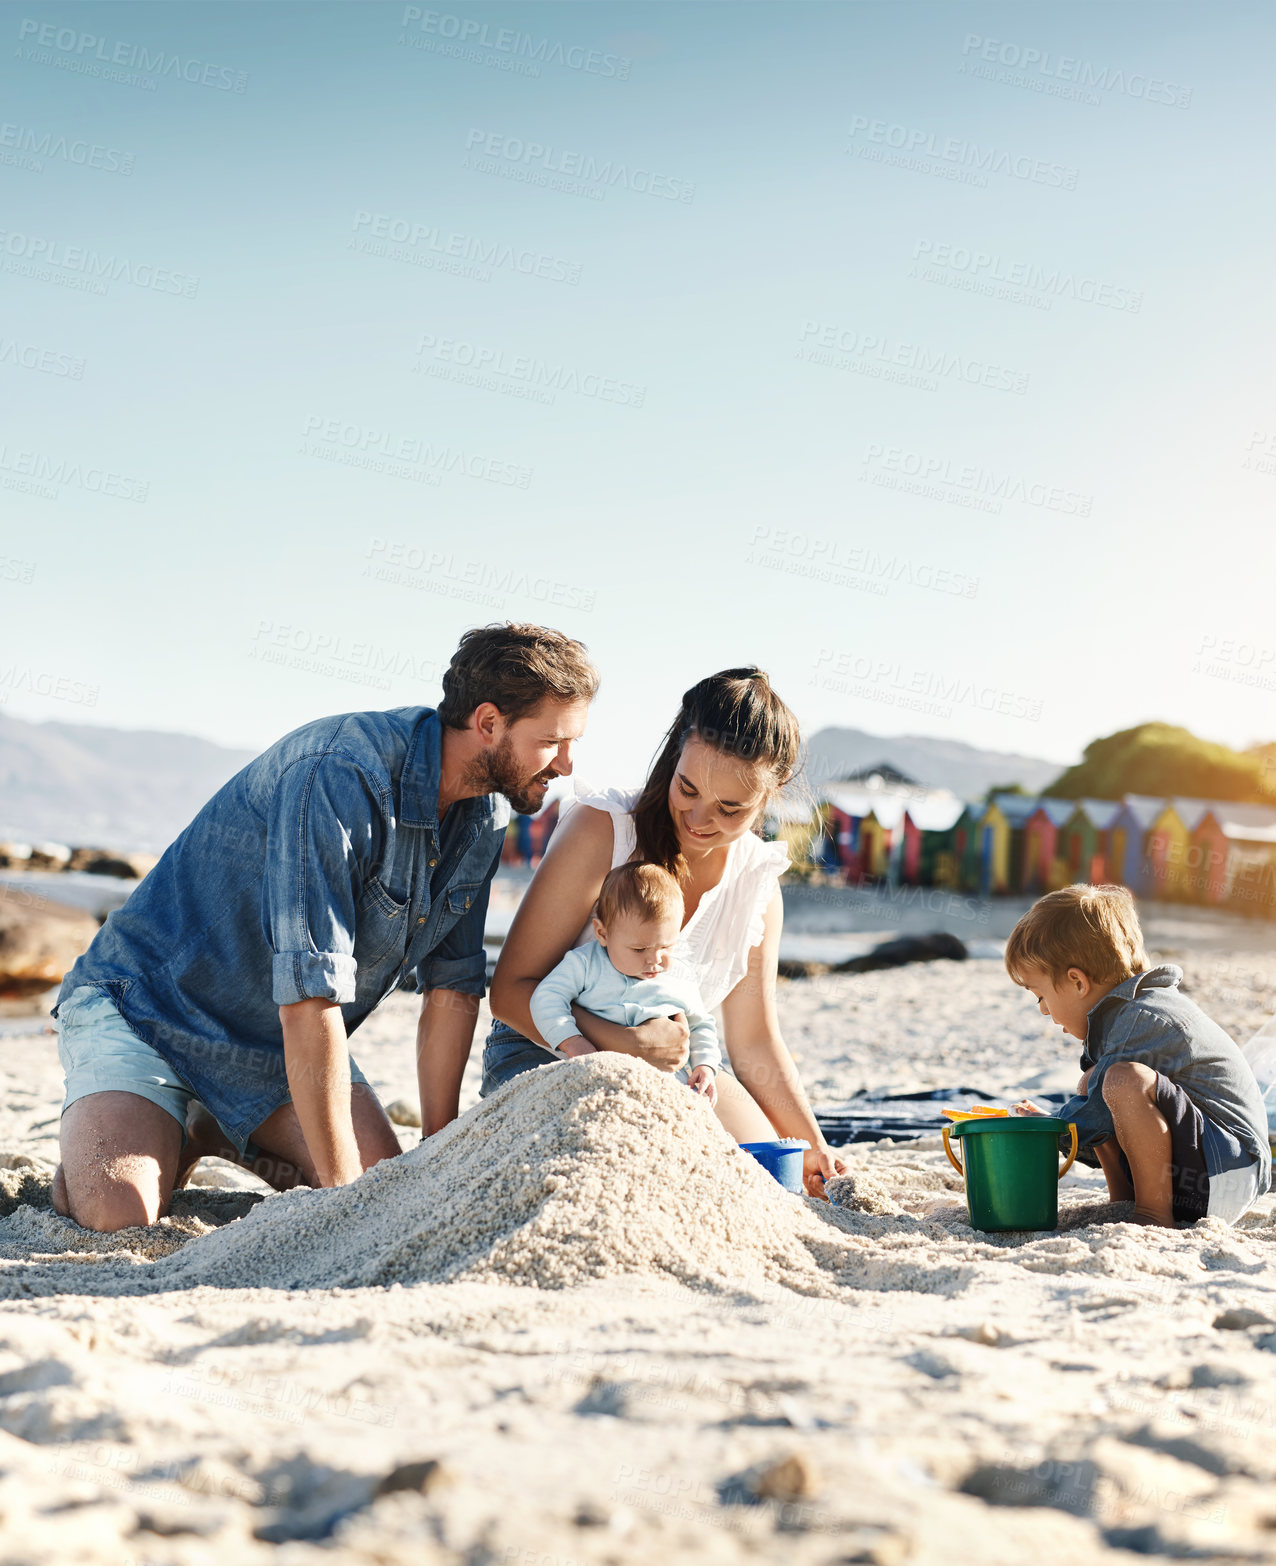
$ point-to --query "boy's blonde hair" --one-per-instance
(1094, 928)
(645, 890)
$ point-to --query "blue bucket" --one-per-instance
(782, 1159)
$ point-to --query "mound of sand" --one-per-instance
(583, 1171)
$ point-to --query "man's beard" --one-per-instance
(500, 773)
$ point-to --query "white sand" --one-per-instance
(612, 1341)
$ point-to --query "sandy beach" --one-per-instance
(579, 1326)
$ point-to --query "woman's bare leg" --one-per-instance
(739, 1113)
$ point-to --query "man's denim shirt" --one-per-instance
(319, 871)
(1146, 1019)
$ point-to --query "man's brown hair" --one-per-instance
(645, 890)
(1093, 928)
(516, 668)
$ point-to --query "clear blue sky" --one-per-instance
(786, 365)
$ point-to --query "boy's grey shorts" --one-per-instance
(1195, 1142)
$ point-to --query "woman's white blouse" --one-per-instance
(731, 919)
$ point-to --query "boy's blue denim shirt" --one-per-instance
(1147, 1019)
(319, 871)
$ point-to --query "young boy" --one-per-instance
(624, 974)
(1167, 1101)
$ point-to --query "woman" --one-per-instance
(733, 745)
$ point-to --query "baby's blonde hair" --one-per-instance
(647, 890)
(1093, 928)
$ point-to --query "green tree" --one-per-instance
(1004, 788)
(1160, 759)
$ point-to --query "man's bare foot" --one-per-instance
(1149, 1220)
(57, 1194)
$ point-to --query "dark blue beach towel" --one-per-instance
(902, 1117)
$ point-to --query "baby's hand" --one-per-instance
(576, 1046)
(1025, 1106)
(702, 1081)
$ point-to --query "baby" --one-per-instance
(1168, 1102)
(624, 974)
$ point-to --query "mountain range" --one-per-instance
(937, 763)
(127, 789)
(135, 789)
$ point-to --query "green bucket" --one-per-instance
(1011, 1168)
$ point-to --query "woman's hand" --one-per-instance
(820, 1163)
(664, 1042)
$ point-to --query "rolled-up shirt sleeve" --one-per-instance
(323, 836)
(459, 961)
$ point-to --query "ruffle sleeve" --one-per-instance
(618, 803)
(768, 864)
(615, 801)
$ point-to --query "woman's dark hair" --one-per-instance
(737, 713)
(515, 667)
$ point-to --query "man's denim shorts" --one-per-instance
(100, 1053)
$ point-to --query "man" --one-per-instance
(211, 1013)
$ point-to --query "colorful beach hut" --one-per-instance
(967, 843)
(1169, 844)
(927, 827)
(844, 830)
(1233, 853)
(877, 836)
(938, 862)
(824, 842)
(1002, 827)
(1084, 839)
(1128, 842)
(846, 807)
(1043, 870)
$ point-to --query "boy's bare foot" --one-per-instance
(1147, 1220)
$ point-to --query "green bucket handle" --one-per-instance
(961, 1171)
